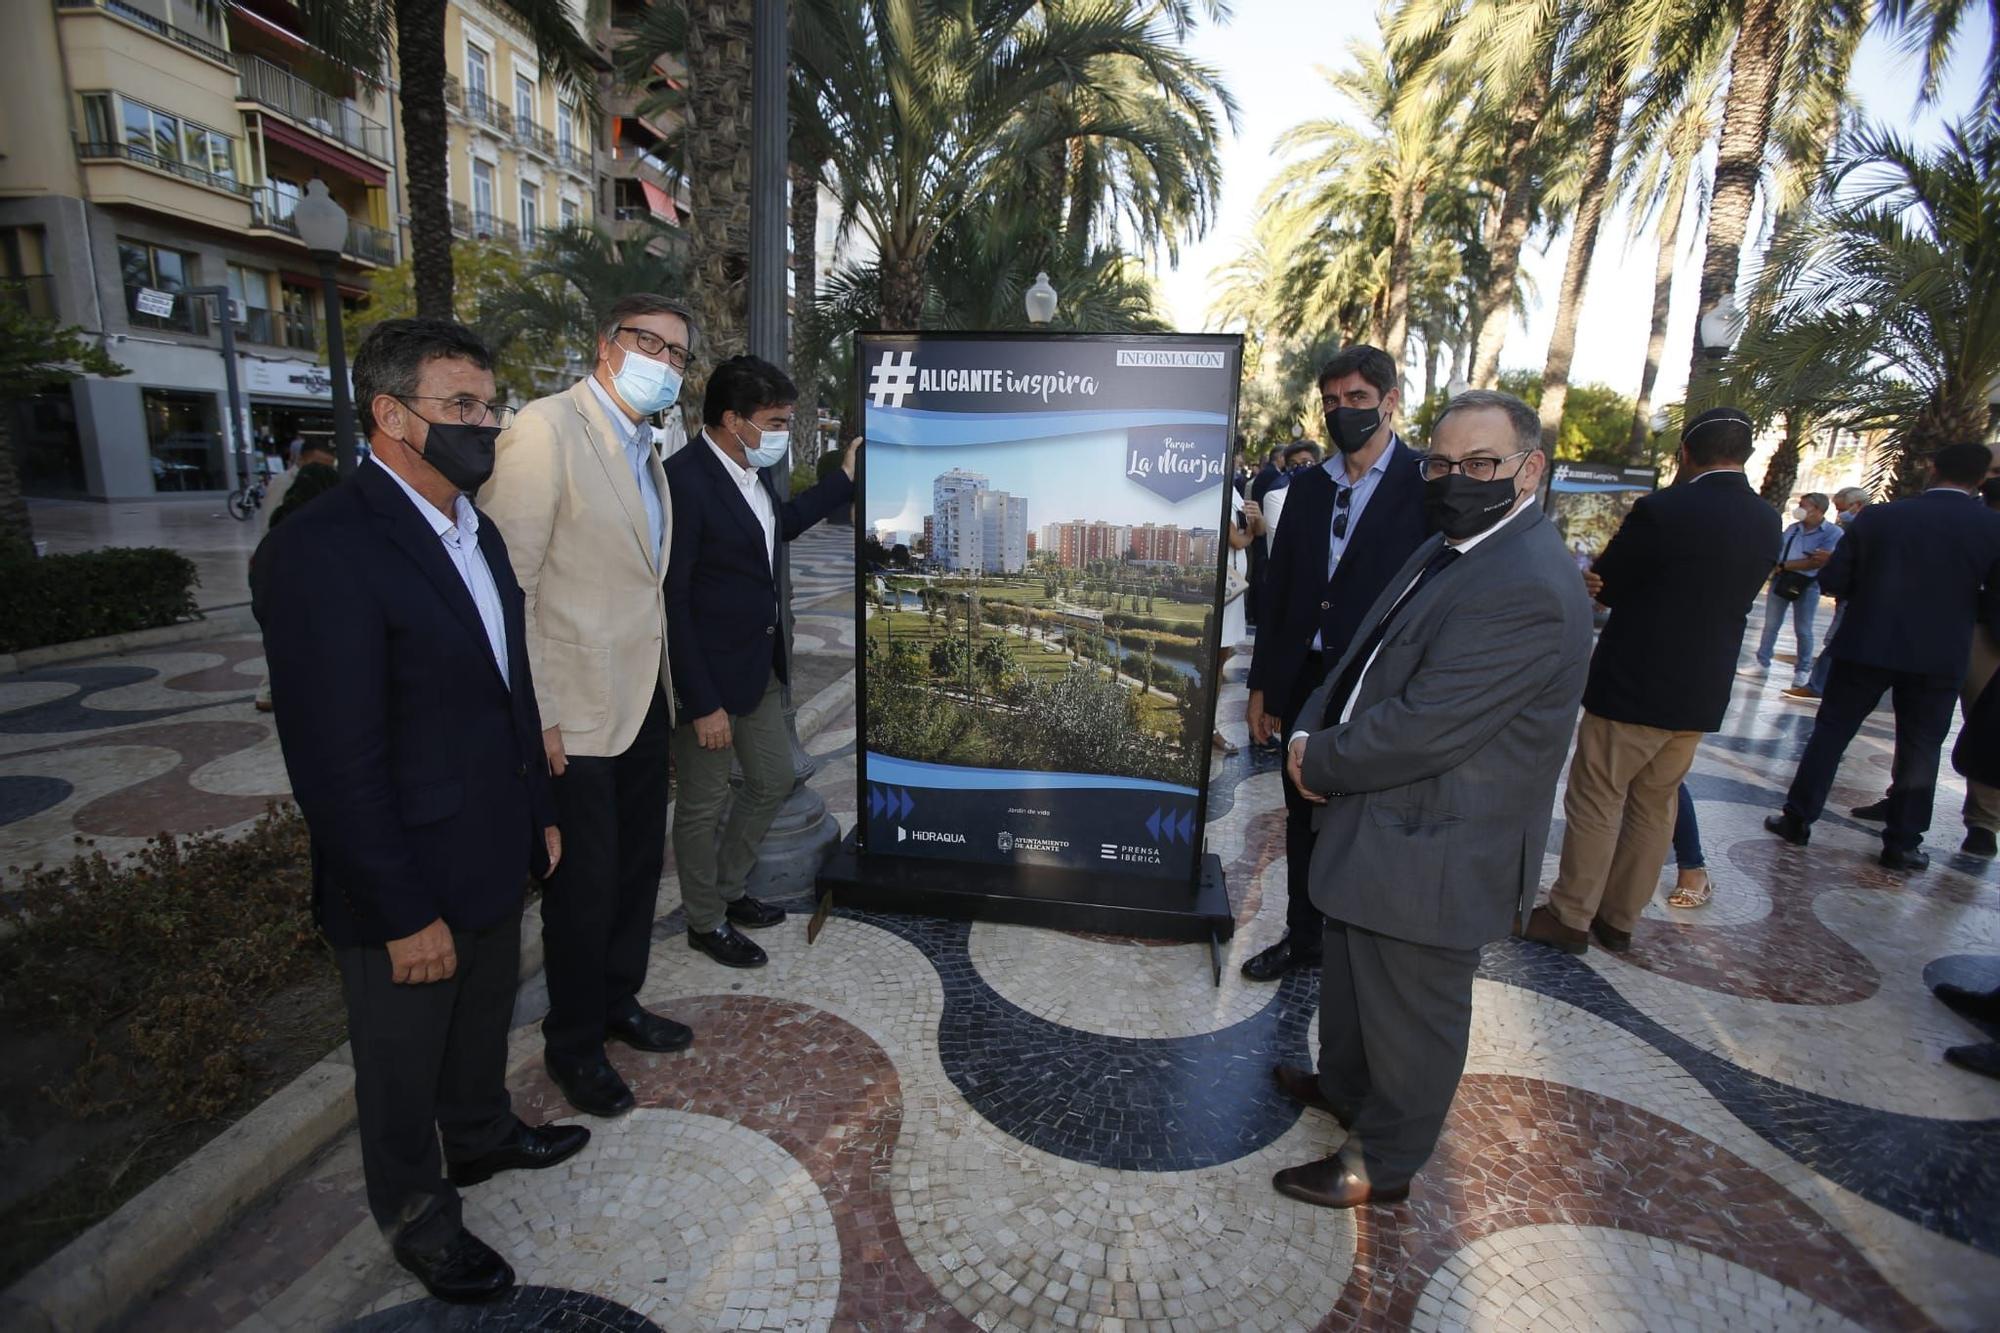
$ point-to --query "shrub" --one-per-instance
(62, 597)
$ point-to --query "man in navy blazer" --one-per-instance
(393, 630)
(726, 640)
(1915, 576)
(1348, 526)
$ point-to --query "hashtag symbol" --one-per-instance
(893, 379)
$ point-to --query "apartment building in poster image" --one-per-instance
(976, 529)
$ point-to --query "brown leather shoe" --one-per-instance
(1302, 1086)
(1612, 938)
(1545, 927)
(1328, 1183)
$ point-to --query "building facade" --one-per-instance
(1078, 542)
(954, 540)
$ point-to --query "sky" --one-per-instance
(1268, 56)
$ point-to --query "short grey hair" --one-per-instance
(628, 308)
(1852, 495)
(1527, 423)
(1817, 501)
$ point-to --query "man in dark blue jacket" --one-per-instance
(1915, 576)
(1348, 527)
(726, 639)
(393, 629)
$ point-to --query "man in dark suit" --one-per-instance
(1431, 756)
(393, 628)
(1916, 575)
(726, 636)
(1348, 526)
(1680, 577)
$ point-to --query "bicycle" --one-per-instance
(246, 500)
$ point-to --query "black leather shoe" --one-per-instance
(1982, 1059)
(1980, 842)
(592, 1087)
(1279, 959)
(1875, 813)
(747, 911)
(530, 1148)
(728, 946)
(1789, 827)
(1981, 1006)
(650, 1032)
(1896, 858)
(462, 1268)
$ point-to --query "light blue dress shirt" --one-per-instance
(1361, 491)
(1799, 543)
(636, 437)
(461, 545)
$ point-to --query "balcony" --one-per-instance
(311, 108)
(32, 295)
(483, 226)
(159, 27)
(534, 138)
(97, 152)
(573, 157)
(272, 211)
(481, 109)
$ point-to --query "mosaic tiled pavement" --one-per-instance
(920, 1124)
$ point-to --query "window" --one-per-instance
(475, 72)
(572, 214)
(98, 120)
(251, 288)
(531, 210)
(566, 130)
(181, 429)
(524, 98)
(301, 318)
(482, 195)
(157, 139)
(24, 267)
(154, 268)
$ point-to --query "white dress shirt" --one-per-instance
(461, 545)
(754, 495)
(1463, 548)
(636, 439)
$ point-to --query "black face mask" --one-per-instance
(1460, 507)
(1350, 428)
(463, 455)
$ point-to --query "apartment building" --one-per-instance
(152, 146)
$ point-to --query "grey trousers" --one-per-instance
(429, 1059)
(713, 871)
(1394, 1019)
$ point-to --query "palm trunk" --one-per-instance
(17, 532)
(902, 292)
(718, 149)
(1397, 316)
(1496, 299)
(805, 287)
(1782, 472)
(426, 150)
(1746, 124)
(1081, 183)
(1432, 351)
(1607, 116)
(1663, 291)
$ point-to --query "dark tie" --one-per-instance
(1336, 702)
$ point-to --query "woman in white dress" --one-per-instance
(1246, 524)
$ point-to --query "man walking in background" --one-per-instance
(581, 495)
(1848, 501)
(1680, 576)
(406, 710)
(1802, 552)
(1352, 523)
(1917, 575)
(728, 637)
(1430, 759)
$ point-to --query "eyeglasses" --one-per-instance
(1476, 468)
(650, 343)
(468, 410)
(1341, 499)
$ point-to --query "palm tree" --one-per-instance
(552, 311)
(1933, 26)
(1884, 301)
(368, 35)
(717, 150)
(925, 105)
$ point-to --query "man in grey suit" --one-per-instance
(1439, 740)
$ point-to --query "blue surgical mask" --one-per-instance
(769, 449)
(646, 386)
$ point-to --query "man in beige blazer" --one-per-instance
(580, 496)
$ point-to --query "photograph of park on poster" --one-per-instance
(1039, 590)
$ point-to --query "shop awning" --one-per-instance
(346, 163)
(660, 203)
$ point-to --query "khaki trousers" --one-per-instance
(1624, 784)
(714, 870)
(1982, 803)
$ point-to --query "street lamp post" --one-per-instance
(1040, 300)
(322, 225)
(1721, 327)
(239, 435)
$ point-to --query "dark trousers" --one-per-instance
(1394, 1020)
(1687, 834)
(1923, 707)
(597, 915)
(429, 1059)
(1303, 921)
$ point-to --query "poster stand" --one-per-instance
(952, 404)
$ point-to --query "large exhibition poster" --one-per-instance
(1589, 500)
(1042, 585)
